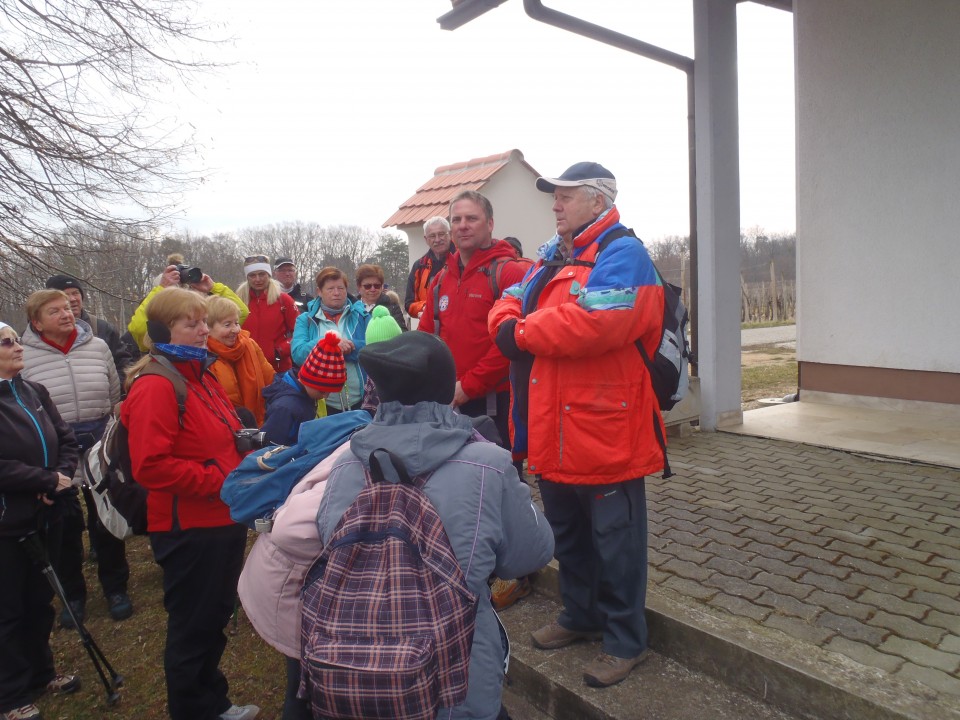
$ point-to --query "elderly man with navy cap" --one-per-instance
(585, 414)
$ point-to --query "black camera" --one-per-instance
(249, 439)
(189, 275)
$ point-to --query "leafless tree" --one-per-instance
(81, 145)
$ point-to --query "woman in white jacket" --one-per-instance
(77, 369)
(273, 576)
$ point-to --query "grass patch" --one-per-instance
(134, 648)
(768, 380)
(766, 324)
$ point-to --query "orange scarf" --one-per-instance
(243, 372)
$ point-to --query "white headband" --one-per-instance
(254, 267)
(3, 325)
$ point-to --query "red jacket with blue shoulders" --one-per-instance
(584, 410)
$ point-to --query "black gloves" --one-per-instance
(506, 342)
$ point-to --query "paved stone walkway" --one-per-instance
(856, 555)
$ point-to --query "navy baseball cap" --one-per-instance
(589, 174)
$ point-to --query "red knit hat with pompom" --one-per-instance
(324, 369)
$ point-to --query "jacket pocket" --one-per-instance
(598, 429)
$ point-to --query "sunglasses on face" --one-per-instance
(437, 236)
(372, 286)
(10, 341)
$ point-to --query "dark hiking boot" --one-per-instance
(119, 606)
(79, 611)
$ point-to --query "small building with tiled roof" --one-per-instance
(507, 180)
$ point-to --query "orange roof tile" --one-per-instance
(434, 196)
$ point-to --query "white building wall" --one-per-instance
(878, 183)
(519, 209)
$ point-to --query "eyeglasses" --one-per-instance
(372, 286)
(9, 342)
(256, 259)
(437, 236)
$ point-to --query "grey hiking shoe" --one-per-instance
(554, 636)
(606, 670)
(240, 712)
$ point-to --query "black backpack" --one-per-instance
(120, 501)
(669, 367)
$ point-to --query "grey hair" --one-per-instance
(437, 220)
(592, 192)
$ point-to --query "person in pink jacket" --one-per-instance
(273, 576)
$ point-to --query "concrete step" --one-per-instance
(548, 684)
(722, 662)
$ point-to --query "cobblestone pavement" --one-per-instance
(857, 555)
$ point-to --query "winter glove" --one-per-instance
(506, 342)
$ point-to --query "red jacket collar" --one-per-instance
(591, 231)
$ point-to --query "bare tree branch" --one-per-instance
(81, 141)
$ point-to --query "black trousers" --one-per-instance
(112, 568)
(500, 416)
(26, 619)
(600, 534)
(293, 707)
(65, 544)
(201, 567)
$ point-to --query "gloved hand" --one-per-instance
(506, 341)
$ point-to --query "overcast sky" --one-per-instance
(335, 112)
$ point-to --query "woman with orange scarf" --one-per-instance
(240, 367)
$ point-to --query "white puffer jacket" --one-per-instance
(83, 384)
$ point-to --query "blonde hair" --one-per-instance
(393, 296)
(273, 292)
(220, 308)
(166, 307)
(37, 300)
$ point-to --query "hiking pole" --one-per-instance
(38, 555)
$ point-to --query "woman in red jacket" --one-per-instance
(273, 313)
(181, 457)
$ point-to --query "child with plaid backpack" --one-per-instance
(397, 620)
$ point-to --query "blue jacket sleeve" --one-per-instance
(304, 338)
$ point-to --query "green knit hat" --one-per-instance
(382, 326)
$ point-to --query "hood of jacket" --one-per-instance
(423, 436)
(281, 387)
(481, 258)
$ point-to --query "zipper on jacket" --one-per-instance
(560, 461)
(36, 424)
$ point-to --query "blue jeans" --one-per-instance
(600, 533)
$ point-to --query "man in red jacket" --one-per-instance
(459, 299)
(586, 415)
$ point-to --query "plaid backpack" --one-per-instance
(388, 618)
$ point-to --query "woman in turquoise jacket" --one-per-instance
(334, 310)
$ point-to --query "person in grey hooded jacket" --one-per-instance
(490, 520)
